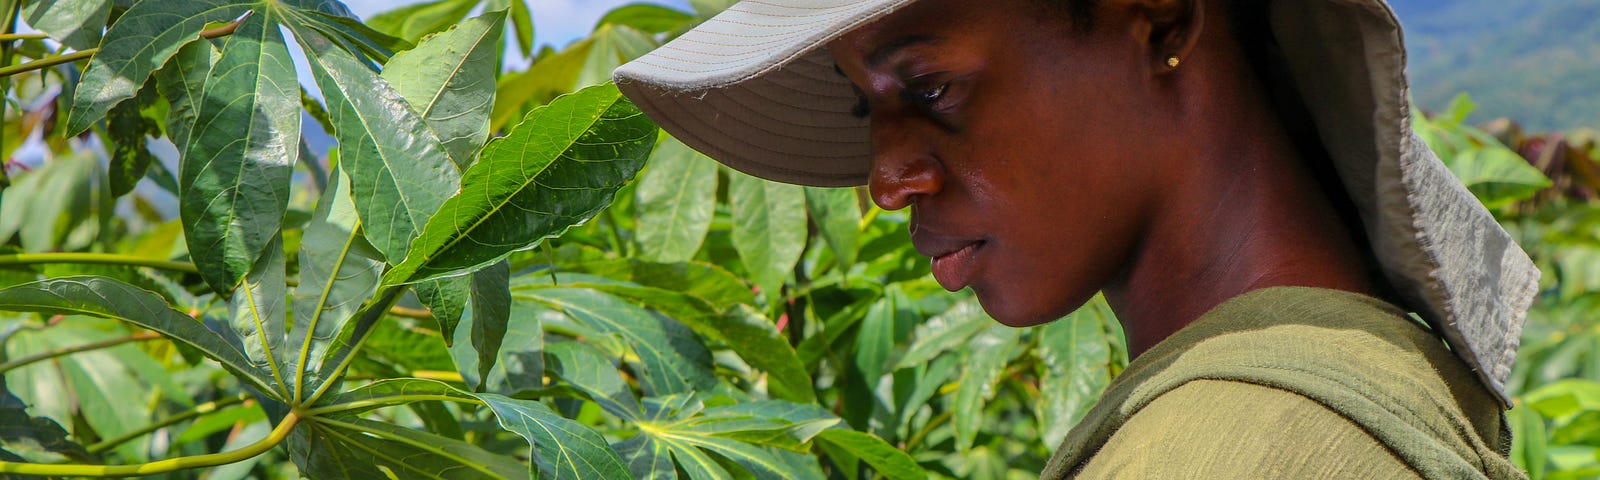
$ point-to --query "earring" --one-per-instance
(1172, 60)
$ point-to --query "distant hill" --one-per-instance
(1536, 61)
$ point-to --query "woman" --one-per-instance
(1239, 177)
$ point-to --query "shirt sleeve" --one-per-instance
(1225, 429)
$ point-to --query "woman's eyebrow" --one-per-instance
(887, 50)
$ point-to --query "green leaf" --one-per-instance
(139, 43)
(491, 313)
(234, 179)
(945, 333)
(837, 213)
(522, 20)
(446, 299)
(646, 18)
(1497, 175)
(891, 462)
(338, 273)
(1565, 398)
(74, 23)
(769, 228)
(34, 436)
(519, 363)
(182, 81)
(126, 129)
(990, 351)
(582, 64)
(561, 166)
(105, 298)
(591, 372)
(449, 82)
(1076, 363)
(412, 22)
(1528, 441)
(878, 335)
(670, 358)
(256, 314)
(355, 448)
(676, 198)
(562, 448)
(760, 344)
(399, 173)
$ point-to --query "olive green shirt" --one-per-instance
(1293, 382)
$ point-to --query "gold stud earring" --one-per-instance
(1172, 61)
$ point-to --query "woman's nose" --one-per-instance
(901, 170)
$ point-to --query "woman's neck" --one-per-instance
(1248, 214)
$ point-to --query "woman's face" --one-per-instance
(1027, 150)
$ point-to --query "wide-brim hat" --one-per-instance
(756, 89)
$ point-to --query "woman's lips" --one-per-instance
(955, 264)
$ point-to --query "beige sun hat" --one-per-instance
(755, 89)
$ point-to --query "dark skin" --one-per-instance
(1044, 163)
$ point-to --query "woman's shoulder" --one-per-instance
(1345, 354)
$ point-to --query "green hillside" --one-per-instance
(1537, 61)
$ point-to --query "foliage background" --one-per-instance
(704, 324)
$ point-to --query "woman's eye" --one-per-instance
(930, 96)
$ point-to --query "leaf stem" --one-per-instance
(386, 402)
(96, 259)
(47, 62)
(62, 352)
(417, 313)
(161, 466)
(198, 410)
(7, 37)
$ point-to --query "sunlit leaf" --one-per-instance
(891, 462)
(138, 44)
(399, 173)
(991, 350)
(449, 81)
(677, 196)
(769, 228)
(412, 22)
(1075, 360)
(74, 23)
(561, 166)
(645, 17)
(837, 213)
(257, 315)
(234, 179)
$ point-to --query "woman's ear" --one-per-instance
(1168, 28)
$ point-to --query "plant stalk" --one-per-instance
(198, 410)
(277, 436)
(62, 352)
(8, 37)
(97, 259)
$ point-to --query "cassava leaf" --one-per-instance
(448, 80)
(891, 462)
(412, 22)
(105, 298)
(990, 351)
(561, 448)
(837, 213)
(399, 174)
(677, 196)
(491, 313)
(670, 357)
(338, 273)
(769, 228)
(355, 448)
(74, 23)
(561, 166)
(139, 43)
(234, 177)
(256, 314)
